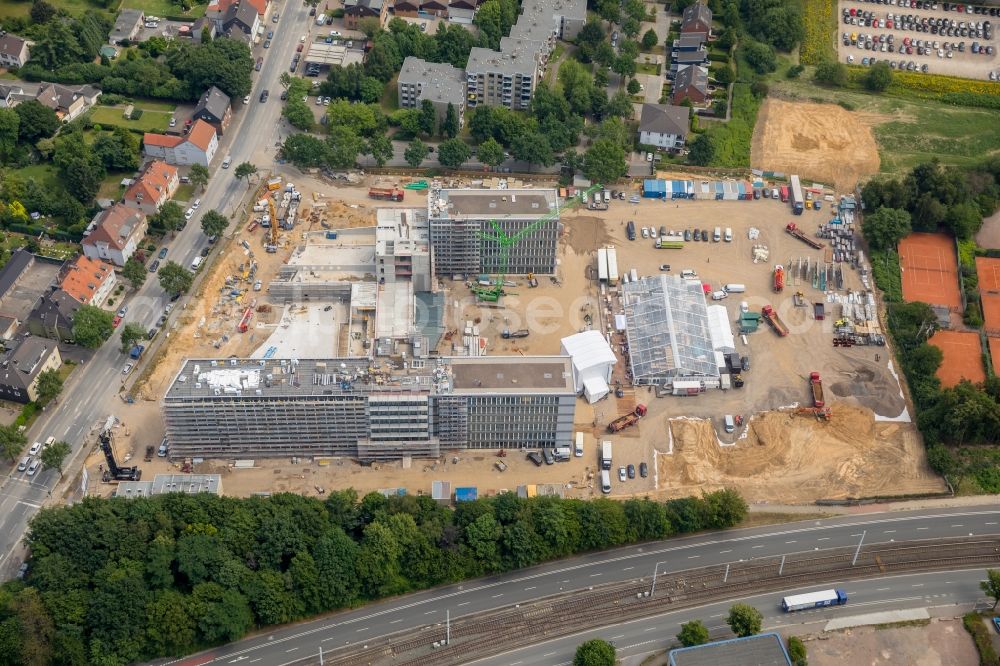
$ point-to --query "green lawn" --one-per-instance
(111, 187)
(185, 193)
(647, 68)
(45, 174)
(911, 131)
(22, 8)
(151, 120)
(164, 8)
(390, 97)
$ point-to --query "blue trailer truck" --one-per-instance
(798, 602)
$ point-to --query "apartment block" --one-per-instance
(461, 224)
(441, 83)
(502, 78)
(240, 408)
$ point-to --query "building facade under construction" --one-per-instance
(247, 408)
(462, 231)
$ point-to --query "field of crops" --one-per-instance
(821, 29)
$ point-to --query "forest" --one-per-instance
(116, 581)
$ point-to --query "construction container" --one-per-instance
(654, 188)
(466, 494)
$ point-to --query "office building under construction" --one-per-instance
(247, 408)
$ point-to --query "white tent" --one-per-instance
(720, 330)
(592, 363)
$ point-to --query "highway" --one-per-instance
(286, 645)
(91, 393)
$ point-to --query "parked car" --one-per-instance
(163, 253)
(643, 470)
(189, 213)
(127, 369)
(123, 311)
(631, 471)
(153, 267)
(621, 474)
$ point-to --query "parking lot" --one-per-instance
(898, 31)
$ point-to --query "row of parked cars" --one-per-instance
(909, 22)
(933, 6)
(30, 463)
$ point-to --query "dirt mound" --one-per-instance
(793, 458)
(820, 141)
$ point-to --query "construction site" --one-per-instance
(358, 276)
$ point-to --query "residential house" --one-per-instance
(20, 368)
(689, 42)
(440, 83)
(128, 25)
(697, 18)
(197, 147)
(437, 8)
(691, 83)
(462, 12)
(236, 18)
(406, 8)
(11, 96)
(89, 281)
(14, 51)
(682, 59)
(67, 103)
(355, 10)
(114, 234)
(53, 316)
(199, 27)
(8, 328)
(565, 18)
(13, 272)
(215, 109)
(157, 184)
(664, 126)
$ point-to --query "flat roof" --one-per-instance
(514, 373)
(321, 53)
(485, 204)
(760, 650)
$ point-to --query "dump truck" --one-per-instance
(774, 321)
(386, 193)
(779, 278)
(819, 311)
(817, 388)
(507, 333)
(627, 420)
(798, 233)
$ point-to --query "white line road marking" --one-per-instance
(465, 603)
(889, 532)
(628, 568)
(361, 629)
(430, 611)
(823, 539)
(882, 589)
(291, 649)
(957, 525)
(718, 615)
(793, 541)
(530, 588)
(594, 575)
(650, 629)
(991, 523)
(548, 654)
(917, 585)
(612, 638)
(253, 660)
(923, 528)
(331, 638)
(396, 621)
(760, 546)
(497, 595)
(723, 552)
(693, 557)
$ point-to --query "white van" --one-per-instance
(729, 235)
(579, 445)
(23, 465)
(735, 288)
(717, 234)
(196, 263)
(321, 19)
(607, 196)
(605, 481)
(688, 274)
(719, 295)
(744, 306)
(562, 453)
(226, 162)
(730, 423)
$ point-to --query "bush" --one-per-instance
(797, 651)
(112, 99)
(794, 71)
(888, 278)
(973, 623)
(136, 114)
(337, 13)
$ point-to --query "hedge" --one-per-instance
(888, 278)
(981, 636)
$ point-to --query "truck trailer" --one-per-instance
(779, 278)
(612, 266)
(602, 264)
(605, 455)
(798, 201)
(627, 420)
(769, 315)
(817, 389)
(386, 193)
(793, 230)
(814, 600)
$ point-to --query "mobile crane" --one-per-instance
(115, 472)
(493, 293)
(272, 245)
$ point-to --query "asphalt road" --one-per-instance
(92, 391)
(282, 646)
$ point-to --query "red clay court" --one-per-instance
(963, 357)
(930, 269)
(988, 270)
(995, 354)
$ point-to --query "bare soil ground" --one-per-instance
(817, 141)
(943, 642)
(989, 233)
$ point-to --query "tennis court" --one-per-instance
(930, 269)
(963, 357)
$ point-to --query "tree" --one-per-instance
(701, 151)
(759, 56)
(245, 170)
(879, 76)
(415, 153)
(54, 454)
(490, 153)
(964, 219)
(117, 150)
(604, 161)
(213, 223)
(12, 441)
(175, 279)
(624, 66)
(594, 652)
(797, 651)
(50, 385)
(169, 217)
(225, 63)
(131, 335)
(693, 633)
(631, 27)
(832, 73)
(134, 272)
(449, 124)
(884, 228)
(453, 153)
(343, 146)
(744, 620)
(9, 123)
(533, 148)
(305, 151)
(649, 40)
(298, 113)
(380, 148)
(428, 117)
(991, 586)
(41, 12)
(37, 121)
(199, 176)
(632, 87)
(92, 326)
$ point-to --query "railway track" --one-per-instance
(490, 632)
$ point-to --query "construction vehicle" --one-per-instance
(817, 388)
(115, 472)
(272, 245)
(779, 278)
(627, 420)
(492, 293)
(771, 317)
(799, 299)
(386, 193)
(793, 230)
(820, 413)
(508, 334)
(274, 184)
(737, 380)
(532, 280)
(500, 465)
(819, 311)
(245, 320)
